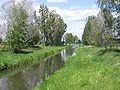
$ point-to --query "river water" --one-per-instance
(28, 78)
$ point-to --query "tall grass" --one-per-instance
(92, 68)
(11, 60)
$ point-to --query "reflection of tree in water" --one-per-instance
(69, 51)
(37, 73)
(34, 75)
(17, 82)
(53, 64)
(4, 84)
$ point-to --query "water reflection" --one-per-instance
(28, 78)
(4, 83)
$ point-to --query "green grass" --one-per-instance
(11, 60)
(92, 68)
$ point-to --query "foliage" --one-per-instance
(111, 25)
(69, 38)
(17, 22)
(1, 40)
(107, 31)
(59, 29)
(33, 35)
(99, 30)
(114, 5)
(87, 35)
(76, 39)
(51, 25)
(34, 40)
(92, 68)
(116, 26)
(79, 41)
(42, 20)
(25, 28)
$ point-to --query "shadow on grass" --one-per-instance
(37, 48)
(102, 52)
(27, 51)
(4, 50)
(18, 52)
(23, 52)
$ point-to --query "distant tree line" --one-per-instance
(69, 38)
(104, 29)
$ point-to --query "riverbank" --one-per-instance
(92, 68)
(11, 60)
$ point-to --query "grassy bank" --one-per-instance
(11, 60)
(91, 69)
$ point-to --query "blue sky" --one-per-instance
(66, 3)
(74, 12)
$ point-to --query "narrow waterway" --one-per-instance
(28, 78)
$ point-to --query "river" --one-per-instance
(28, 78)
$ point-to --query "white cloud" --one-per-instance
(34, 0)
(75, 17)
(57, 1)
(75, 14)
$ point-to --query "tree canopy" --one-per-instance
(17, 25)
(51, 25)
(114, 5)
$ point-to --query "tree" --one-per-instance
(33, 35)
(116, 32)
(75, 39)
(117, 27)
(33, 32)
(107, 27)
(42, 20)
(98, 30)
(52, 26)
(113, 5)
(69, 38)
(4, 16)
(0, 40)
(79, 41)
(17, 25)
(107, 6)
(59, 28)
(87, 37)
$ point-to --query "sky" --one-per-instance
(74, 12)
